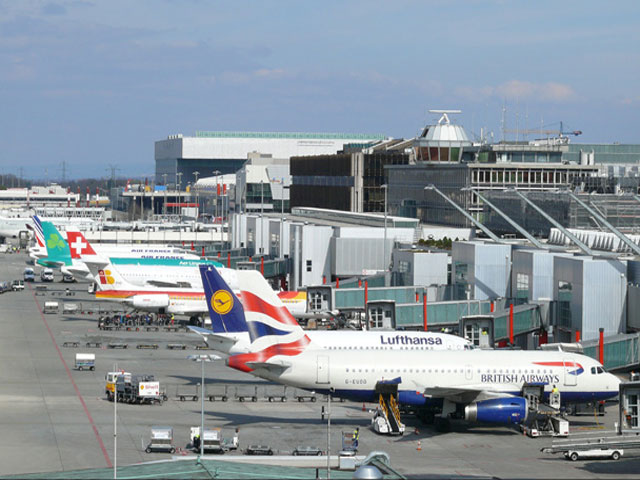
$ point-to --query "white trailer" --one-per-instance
(85, 361)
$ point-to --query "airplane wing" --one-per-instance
(465, 394)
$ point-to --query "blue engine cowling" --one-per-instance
(497, 410)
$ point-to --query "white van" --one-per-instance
(46, 275)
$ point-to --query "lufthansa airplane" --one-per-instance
(479, 385)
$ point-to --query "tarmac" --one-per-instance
(54, 418)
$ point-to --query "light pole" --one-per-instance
(195, 185)
(215, 218)
(202, 359)
(282, 216)
(384, 255)
(261, 214)
(179, 175)
(164, 179)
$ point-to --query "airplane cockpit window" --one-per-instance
(600, 370)
(593, 370)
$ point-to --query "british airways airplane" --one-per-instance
(230, 335)
(479, 385)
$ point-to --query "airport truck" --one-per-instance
(110, 379)
(138, 389)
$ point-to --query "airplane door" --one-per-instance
(323, 369)
(570, 373)
(468, 372)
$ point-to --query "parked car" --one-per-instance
(17, 285)
(46, 275)
(68, 278)
(258, 450)
(612, 453)
(29, 275)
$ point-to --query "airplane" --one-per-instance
(138, 270)
(232, 337)
(477, 385)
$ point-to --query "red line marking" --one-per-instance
(75, 387)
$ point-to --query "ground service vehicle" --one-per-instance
(85, 361)
(613, 454)
(258, 450)
(110, 379)
(17, 285)
(138, 389)
(46, 275)
(161, 440)
(29, 275)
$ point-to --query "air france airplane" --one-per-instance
(479, 385)
(230, 335)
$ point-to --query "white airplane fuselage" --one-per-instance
(354, 373)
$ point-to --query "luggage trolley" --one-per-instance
(161, 440)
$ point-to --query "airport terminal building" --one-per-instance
(213, 153)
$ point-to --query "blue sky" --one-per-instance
(95, 83)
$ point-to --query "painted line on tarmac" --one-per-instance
(75, 387)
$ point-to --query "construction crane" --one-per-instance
(538, 131)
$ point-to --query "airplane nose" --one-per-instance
(614, 383)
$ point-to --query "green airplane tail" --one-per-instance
(57, 248)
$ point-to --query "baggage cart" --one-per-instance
(304, 395)
(50, 307)
(217, 393)
(275, 393)
(85, 361)
(187, 392)
(69, 308)
(211, 440)
(161, 440)
(244, 394)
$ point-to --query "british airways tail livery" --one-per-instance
(230, 333)
(478, 385)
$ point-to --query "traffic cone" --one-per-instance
(419, 445)
(364, 408)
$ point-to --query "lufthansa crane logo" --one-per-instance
(222, 302)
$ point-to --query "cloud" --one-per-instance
(517, 89)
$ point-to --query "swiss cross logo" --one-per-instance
(78, 245)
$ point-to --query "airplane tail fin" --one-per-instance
(37, 231)
(79, 245)
(272, 329)
(57, 249)
(225, 310)
(108, 278)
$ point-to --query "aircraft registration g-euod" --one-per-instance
(479, 385)
(231, 335)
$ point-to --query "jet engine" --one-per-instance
(145, 302)
(497, 410)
